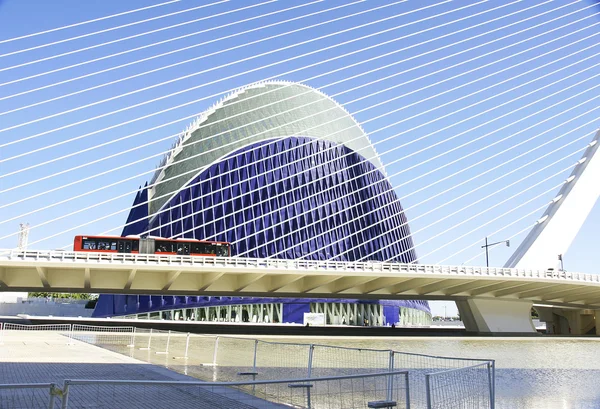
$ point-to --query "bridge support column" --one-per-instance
(496, 316)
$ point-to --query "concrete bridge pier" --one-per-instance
(569, 321)
(491, 316)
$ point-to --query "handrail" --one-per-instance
(239, 262)
(243, 383)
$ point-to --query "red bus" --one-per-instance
(151, 245)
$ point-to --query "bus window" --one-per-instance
(103, 245)
(222, 251)
(89, 244)
(183, 249)
(163, 247)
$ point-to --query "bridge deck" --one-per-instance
(157, 274)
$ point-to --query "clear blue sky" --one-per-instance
(434, 100)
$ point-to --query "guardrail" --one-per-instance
(28, 395)
(381, 390)
(254, 263)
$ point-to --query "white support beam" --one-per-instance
(379, 284)
(3, 284)
(542, 290)
(210, 279)
(494, 288)
(130, 278)
(246, 280)
(438, 286)
(469, 286)
(43, 274)
(314, 282)
(347, 283)
(171, 277)
(87, 278)
(410, 285)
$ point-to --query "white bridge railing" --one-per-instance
(54, 256)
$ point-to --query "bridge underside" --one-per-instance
(491, 300)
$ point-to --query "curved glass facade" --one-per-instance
(294, 194)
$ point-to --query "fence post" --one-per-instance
(255, 352)
(216, 351)
(187, 345)
(407, 381)
(132, 343)
(71, 335)
(52, 393)
(492, 383)
(390, 386)
(168, 341)
(428, 391)
(65, 395)
(311, 348)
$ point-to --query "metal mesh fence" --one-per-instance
(45, 327)
(352, 392)
(332, 361)
(104, 336)
(276, 360)
(433, 380)
(160, 341)
(420, 365)
(464, 388)
(235, 359)
(27, 396)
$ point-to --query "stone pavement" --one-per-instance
(42, 356)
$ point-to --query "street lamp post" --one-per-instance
(487, 258)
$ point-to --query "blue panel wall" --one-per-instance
(266, 202)
(294, 312)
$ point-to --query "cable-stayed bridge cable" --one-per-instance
(159, 55)
(106, 30)
(221, 79)
(50, 161)
(313, 77)
(81, 226)
(52, 30)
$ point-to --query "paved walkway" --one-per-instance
(41, 357)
